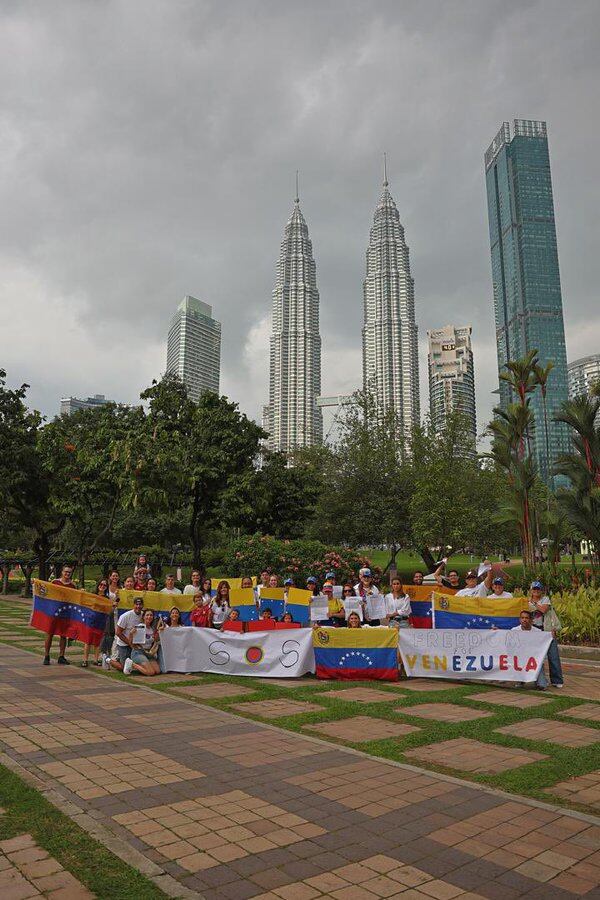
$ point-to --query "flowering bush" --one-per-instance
(291, 559)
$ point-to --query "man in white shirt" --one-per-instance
(473, 589)
(169, 587)
(365, 587)
(526, 624)
(124, 632)
(498, 589)
(195, 587)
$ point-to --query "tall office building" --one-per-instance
(194, 347)
(390, 352)
(292, 417)
(526, 279)
(451, 376)
(583, 374)
(69, 405)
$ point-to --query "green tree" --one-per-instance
(284, 494)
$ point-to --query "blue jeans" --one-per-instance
(554, 666)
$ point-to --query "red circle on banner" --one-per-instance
(254, 655)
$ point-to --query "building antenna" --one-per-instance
(385, 178)
(297, 200)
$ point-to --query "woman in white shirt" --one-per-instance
(220, 605)
(397, 604)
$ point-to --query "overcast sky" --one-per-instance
(148, 150)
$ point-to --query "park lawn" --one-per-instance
(26, 811)
(529, 781)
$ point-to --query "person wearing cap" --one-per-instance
(287, 584)
(365, 587)
(312, 585)
(330, 578)
(473, 588)
(539, 604)
(335, 608)
(498, 589)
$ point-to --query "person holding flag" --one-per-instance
(66, 581)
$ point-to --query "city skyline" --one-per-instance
(149, 184)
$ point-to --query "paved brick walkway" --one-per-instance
(26, 870)
(233, 808)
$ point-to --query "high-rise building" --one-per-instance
(293, 417)
(525, 273)
(390, 351)
(583, 374)
(451, 376)
(194, 347)
(69, 405)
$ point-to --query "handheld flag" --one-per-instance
(420, 603)
(244, 601)
(476, 612)
(69, 613)
(298, 604)
(356, 654)
(272, 598)
(160, 603)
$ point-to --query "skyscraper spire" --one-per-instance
(297, 199)
(292, 417)
(390, 351)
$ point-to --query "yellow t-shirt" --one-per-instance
(334, 606)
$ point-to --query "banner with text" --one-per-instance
(465, 654)
(267, 654)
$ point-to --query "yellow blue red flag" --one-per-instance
(476, 612)
(68, 612)
(298, 604)
(356, 654)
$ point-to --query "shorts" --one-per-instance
(123, 653)
(139, 658)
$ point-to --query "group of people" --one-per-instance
(131, 641)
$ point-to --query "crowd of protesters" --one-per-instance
(131, 641)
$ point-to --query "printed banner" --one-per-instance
(420, 602)
(244, 601)
(69, 613)
(298, 604)
(356, 654)
(465, 654)
(476, 612)
(267, 654)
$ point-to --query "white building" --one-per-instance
(451, 375)
(69, 405)
(390, 351)
(582, 374)
(292, 417)
(194, 347)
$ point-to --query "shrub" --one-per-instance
(295, 559)
(579, 613)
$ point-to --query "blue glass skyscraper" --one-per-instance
(526, 278)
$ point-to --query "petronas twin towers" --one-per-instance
(293, 417)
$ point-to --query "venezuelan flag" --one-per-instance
(298, 604)
(69, 613)
(476, 612)
(273, 599)
(244, 601)
(234, 583)
(420, 603)
(159, 603)
(356, 654)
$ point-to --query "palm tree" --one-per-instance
(542, 374)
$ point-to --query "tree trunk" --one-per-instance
(42, 548)
(427, 557)
(195, 537)
(391, 563)
(5, 574)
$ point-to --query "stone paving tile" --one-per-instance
(293, 682)
(27, 870)
(474, 756)
(360, 695)
(213, 691)
(98, 776)
(589, 712)
(177, 720)
(31, 708)
(563, 733)
(583, 789)
(584, 687)
(202, 832)
(445, 712)
(259, 748)
(520, 699)
(388, 788)
(116, 699)
(56, 734)
(424, 684)
(362, 728)
(275, 709)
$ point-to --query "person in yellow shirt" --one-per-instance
(335, 607)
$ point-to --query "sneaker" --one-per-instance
(561, 685)
(98, 662)
(63, 661)
(84, 664)
(127, 667)
(46, 661)
(105, 661)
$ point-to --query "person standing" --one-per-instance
(220, 605)
(66, 581)
(498, 589)
(102, 591)
(473, 587)
(397, 605)
(169, 587)
(195, 587)
(539, 606)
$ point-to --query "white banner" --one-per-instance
(285, 653)
(496, 655)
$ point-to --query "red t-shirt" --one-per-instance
(200, 616)
(70, 584)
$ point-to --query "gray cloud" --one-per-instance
(148, 147)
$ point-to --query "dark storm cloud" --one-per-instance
(148, 150)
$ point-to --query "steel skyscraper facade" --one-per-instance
(292, 417)
(389, 336)
(525, 273)
(451, 376)
(194, 347)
